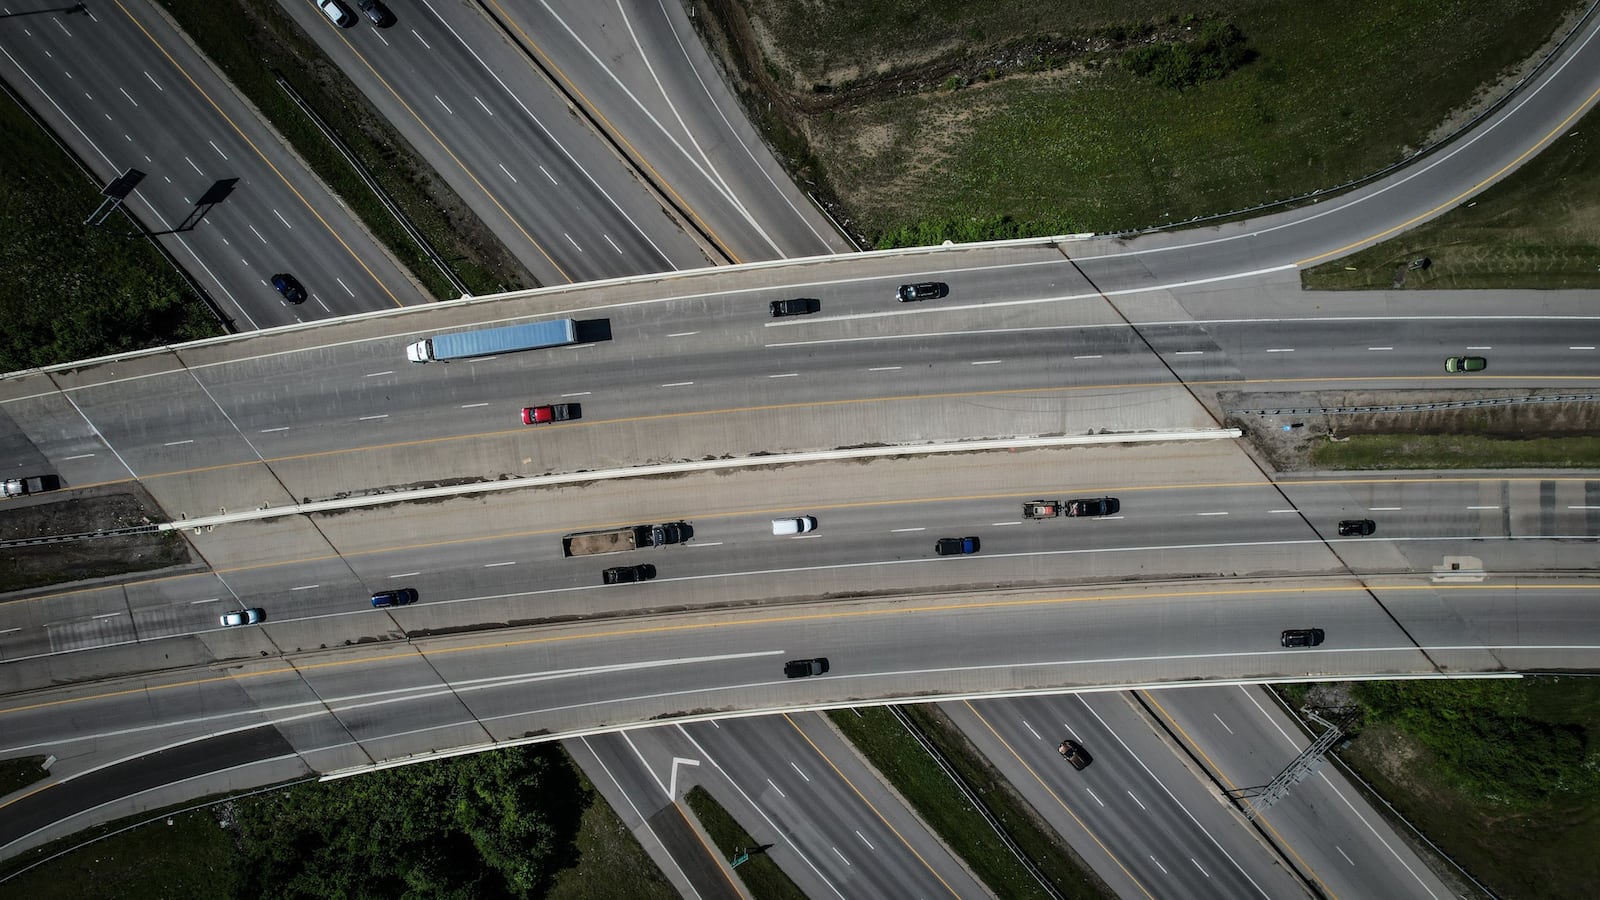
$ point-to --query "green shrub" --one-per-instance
(1218, 50)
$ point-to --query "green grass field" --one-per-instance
(1012, 111)
(1538, 228)
(1456, 451)
(1543, 852)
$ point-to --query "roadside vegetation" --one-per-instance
(931, 120)
(255, 43)
(1538, 228)
(1456, 451)
(1503, 775)
(892, 750)
(68, 291)
(520, 822)
(762, 877)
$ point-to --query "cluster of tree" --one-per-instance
(489, 825)
(1217, 49)
(1481, 738)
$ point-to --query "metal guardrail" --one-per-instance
(977, 803)
(377, 189)
(1414, 407)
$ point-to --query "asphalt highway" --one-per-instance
(121, 87)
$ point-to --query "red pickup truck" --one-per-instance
(551, 412)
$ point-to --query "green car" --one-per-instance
(1466, 364)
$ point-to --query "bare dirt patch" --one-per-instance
(22, 568)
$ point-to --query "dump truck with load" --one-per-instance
(616, 540)
(494, 341)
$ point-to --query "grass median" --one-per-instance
(761, 876)
(1456, 451)
(892, 750)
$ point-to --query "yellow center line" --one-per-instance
(410, 652)
(616, 133)
(1215, 769)
(1059, 801)
(814, 404)
(1533, 148)
(863, 798)
(262, 156)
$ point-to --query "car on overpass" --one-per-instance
(922, 290)
(956, 546)
(628, 574)
(551, 412)
(396, 597)
(797, 306)
(1460, 364)
(255, 615)
(804, 668)
(1094, 506)
(1302, 637)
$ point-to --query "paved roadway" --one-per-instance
(1243, 738)
(793, 782)
(341, 705)
(1175, 352)
(509, 146)
(123, 89)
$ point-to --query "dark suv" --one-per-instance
(799, 306)
(956, 546)
(1358, 527)
(397, 597)
(922, 290)
(628, 574)
(800, 668)
(1302, 637)
(1096, 506)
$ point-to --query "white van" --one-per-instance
(797, 525)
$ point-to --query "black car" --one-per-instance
(1073, 752)
(377, 13)
(1359, 527)
(397, 597)
(956, 546)
(922, 290)
(1302, 637)
(798, 306)
(628, 574)
(801, 668)
(1096, 506)
(290, 287)
(671, 533)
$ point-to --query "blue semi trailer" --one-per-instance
(492, 341)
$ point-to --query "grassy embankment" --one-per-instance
(1004, 119)
(896, 754)
(255, 42)
(1538, 228)
(1456, 451)
(760, 875)
(68, 291)
(1503, 775)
